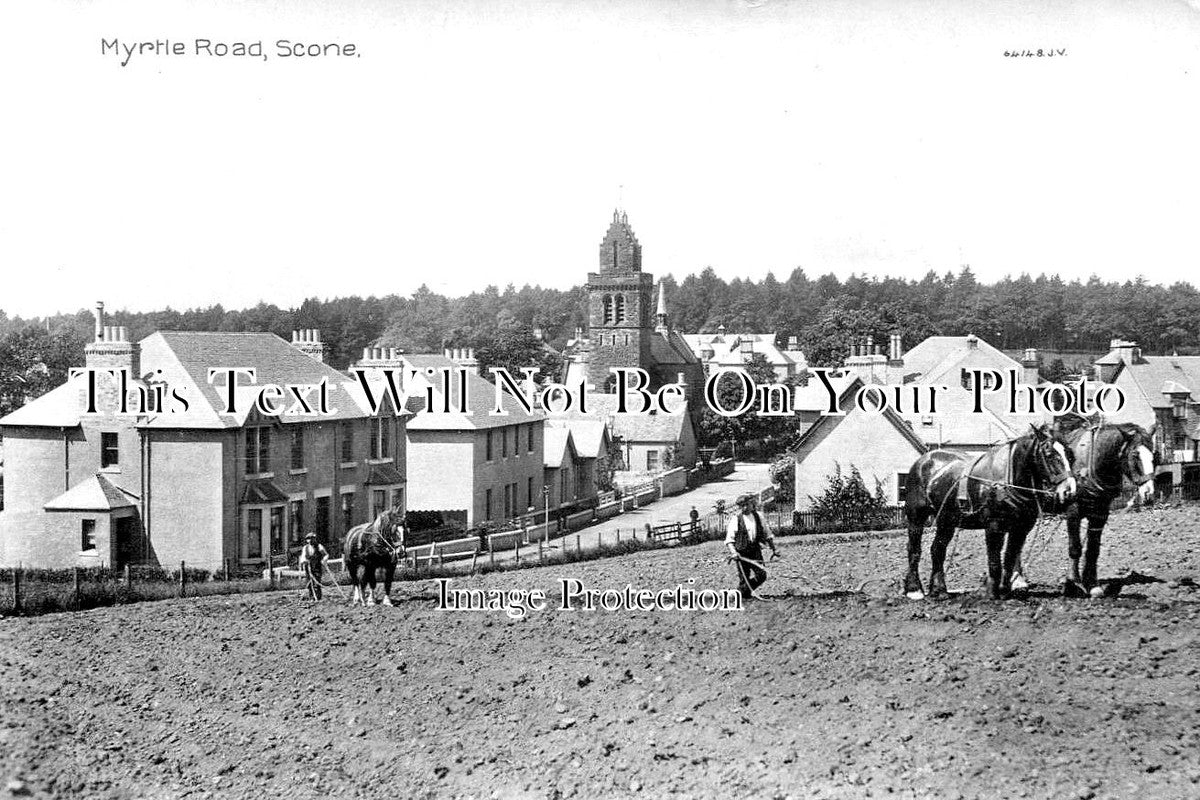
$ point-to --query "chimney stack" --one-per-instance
(112, 349)
(464, 357)
(308, 341)
(1031, 363)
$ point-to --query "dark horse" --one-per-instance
(1104, 456)
(1000, 490)
(370, 547)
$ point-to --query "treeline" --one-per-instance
(825, 313)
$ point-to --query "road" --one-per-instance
(746, 478)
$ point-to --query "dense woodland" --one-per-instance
(827, 314)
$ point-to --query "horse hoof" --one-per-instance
(917, 595)
(1019, 584)
(1073, 589)
(1096, 591)
(387, 601)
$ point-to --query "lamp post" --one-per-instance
(546, 500)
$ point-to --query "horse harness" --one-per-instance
(962, 485)
(1089, 472)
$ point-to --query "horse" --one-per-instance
(372, 546)
(1104, 456)
(999, 490)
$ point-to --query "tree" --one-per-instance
(783, 476)
(848, 495)
(515, 347)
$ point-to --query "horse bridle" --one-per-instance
(1055, 477)
(1127, 439)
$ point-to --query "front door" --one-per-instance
(122, 543)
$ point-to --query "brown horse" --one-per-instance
(1000, 491)
(370, 547)
(1104, 457)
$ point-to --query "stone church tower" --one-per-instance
(620, 310)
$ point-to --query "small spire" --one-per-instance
(661, 314)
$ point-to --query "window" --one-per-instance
(531, 430)
(347, 511)
(529, 492)
(503, 443)
(508, 509)
(608, 309)
(620, 308)
(296, 521)
(297, 447)
(381, 439)
(347, 442)
(516, 429)
(87, 535)
(378, 502)
(487, 504)
(254, 527)
(901, 487)
(651, 460)
(277, 529)
(321, 519)
(258, 450)
(110, 452)
(489, 446)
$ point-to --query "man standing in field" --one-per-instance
(744, 538)
(312, 563)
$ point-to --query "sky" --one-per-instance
(472, 143)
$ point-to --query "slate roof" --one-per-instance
(481, 398)
(629, 426)
(182, 359)
(727, 349)
(938, 358)
(853, 413)
(671, 348)
(94, 493)
(1156, 376)
(588, 436)
(956, 424)
(556, 446)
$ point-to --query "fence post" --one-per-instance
(577, 545)
(541, 553)
(517, 551)
(271, 570)
(227, 570)
(17, 590)
(182, 578)
(491, 554)
(474, 557)
(75, 586)
(128, 577)
(649, 533)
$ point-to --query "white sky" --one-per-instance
(484, 142)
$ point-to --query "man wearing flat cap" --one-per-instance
(744, 538)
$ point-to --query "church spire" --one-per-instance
(662, 325)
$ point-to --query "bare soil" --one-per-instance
(838, 688)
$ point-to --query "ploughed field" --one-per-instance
(838, 688)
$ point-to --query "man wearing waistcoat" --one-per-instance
(744, 537)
